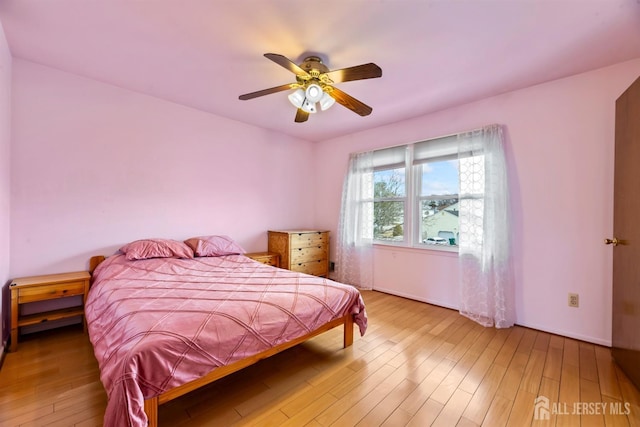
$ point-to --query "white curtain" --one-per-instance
(486, 273)
(354, 261)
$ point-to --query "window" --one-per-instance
(416, 190)
(417, 186)
(389, 194)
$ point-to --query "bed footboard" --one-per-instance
(151, 409)
(151, 404)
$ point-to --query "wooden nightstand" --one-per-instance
(41, 288)
(268, 258)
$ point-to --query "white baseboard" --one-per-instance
(413, 297)
(563, 333)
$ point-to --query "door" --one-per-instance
(626, 228)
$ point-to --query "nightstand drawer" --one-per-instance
(39, 318)
(299, 255)
(265, 258)
(44, 292)
(304, 240)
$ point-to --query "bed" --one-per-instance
(162, 326)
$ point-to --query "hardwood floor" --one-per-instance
(418, 365)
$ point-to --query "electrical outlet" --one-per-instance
(574, 300)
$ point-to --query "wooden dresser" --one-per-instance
(306, 251)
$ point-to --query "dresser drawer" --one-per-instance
(316, 253)
(315, 268)
(304, 240)
(56, 290)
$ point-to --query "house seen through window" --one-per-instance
(415, 193)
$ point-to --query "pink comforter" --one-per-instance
(156, 324)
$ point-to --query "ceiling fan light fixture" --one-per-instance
(326, 101)
(314, 85)
(308, 106)
(314, 93)
(297, 98)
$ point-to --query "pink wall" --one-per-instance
(95, 166)
(5, 137)
(560, 149)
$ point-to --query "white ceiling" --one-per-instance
(434, 53)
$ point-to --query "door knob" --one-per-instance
(614, 242)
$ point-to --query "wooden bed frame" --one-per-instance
(151, 404)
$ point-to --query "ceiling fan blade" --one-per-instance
(359, 72)
(301, 116)
(285, 62)
(267, 91)
(350, 102)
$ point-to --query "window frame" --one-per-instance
(405, 205)
(412, 199)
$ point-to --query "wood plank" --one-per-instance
(553, 363)
(426, 414)
(452, 411)
(512, 379)
(615, 415)
(347, 402)
(533, 372)
(607, 377)
(421, 394)
(550, 389)
(399, 417)
(588, 366)
(522, 410)
(483, 396)
(571, 353)
(371, 400)
(509, 348)
(590, 407)
(450, 383)
(498, 412)
(569, 385)
(476, 374)
(388, 404)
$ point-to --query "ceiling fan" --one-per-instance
(314, 85)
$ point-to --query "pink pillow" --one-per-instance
(214, 246)
(156, 248)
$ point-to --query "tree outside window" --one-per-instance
(389, 201)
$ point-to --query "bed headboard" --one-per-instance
(94, 262)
